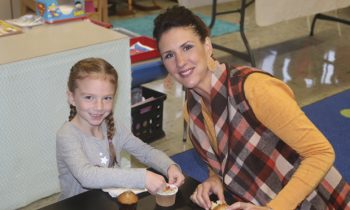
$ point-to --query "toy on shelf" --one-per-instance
(60, 10)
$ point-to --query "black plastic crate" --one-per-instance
(147, 116)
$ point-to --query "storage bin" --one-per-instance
(147, 41)
(147, 72)
(147, 115)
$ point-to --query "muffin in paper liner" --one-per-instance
(127, 200)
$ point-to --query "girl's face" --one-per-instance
(93, 99)
(185, 57)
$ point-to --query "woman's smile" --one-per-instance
(186, 72)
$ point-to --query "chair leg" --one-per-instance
(326, 17)
(249, 56)
(184, 132)
(313, 24)
(213, 14)
(244, 38)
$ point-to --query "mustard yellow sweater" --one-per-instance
(274, 105)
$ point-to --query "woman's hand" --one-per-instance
(246, 206)
(175, 176)
(212, 185)
(154, 182)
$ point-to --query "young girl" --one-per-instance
(247, 127)
(90, 143)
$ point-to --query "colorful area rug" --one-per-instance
(144, 25)
(330, 115)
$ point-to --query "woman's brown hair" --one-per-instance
(179, 16)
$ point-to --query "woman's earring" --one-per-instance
(211, 64)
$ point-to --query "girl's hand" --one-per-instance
(175, 176)
(212, 185)
(246, 206)
(154, 182)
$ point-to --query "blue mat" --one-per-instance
(330, 115)
(144, 25)
(327, 116)
(192, 165)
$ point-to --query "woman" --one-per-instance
(248, 128)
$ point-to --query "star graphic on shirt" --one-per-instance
(104, 160)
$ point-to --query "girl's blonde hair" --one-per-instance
(98, 68)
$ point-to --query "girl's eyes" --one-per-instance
(108, 98)
(88, 97)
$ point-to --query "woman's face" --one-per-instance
(185, 57)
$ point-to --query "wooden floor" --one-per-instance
(314, 67)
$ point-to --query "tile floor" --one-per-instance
(314, 67)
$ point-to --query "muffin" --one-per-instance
(218, 205)
(127, 200)
(167, 196)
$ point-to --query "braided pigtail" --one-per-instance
(110, 135)
(72, 113)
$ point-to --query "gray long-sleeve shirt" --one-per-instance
(83, 160)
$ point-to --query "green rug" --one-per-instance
(144, 25)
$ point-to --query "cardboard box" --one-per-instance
(60, 10)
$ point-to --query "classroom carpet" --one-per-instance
(144, 25)
(331, 115)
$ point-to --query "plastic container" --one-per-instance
(144, 40)
(147, 115)
(167, 196)
(147, 72)
(144, 55)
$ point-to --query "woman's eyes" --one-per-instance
(184, 48)
(188, 47)
(168, 55)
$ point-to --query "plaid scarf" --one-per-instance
(253, 163)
